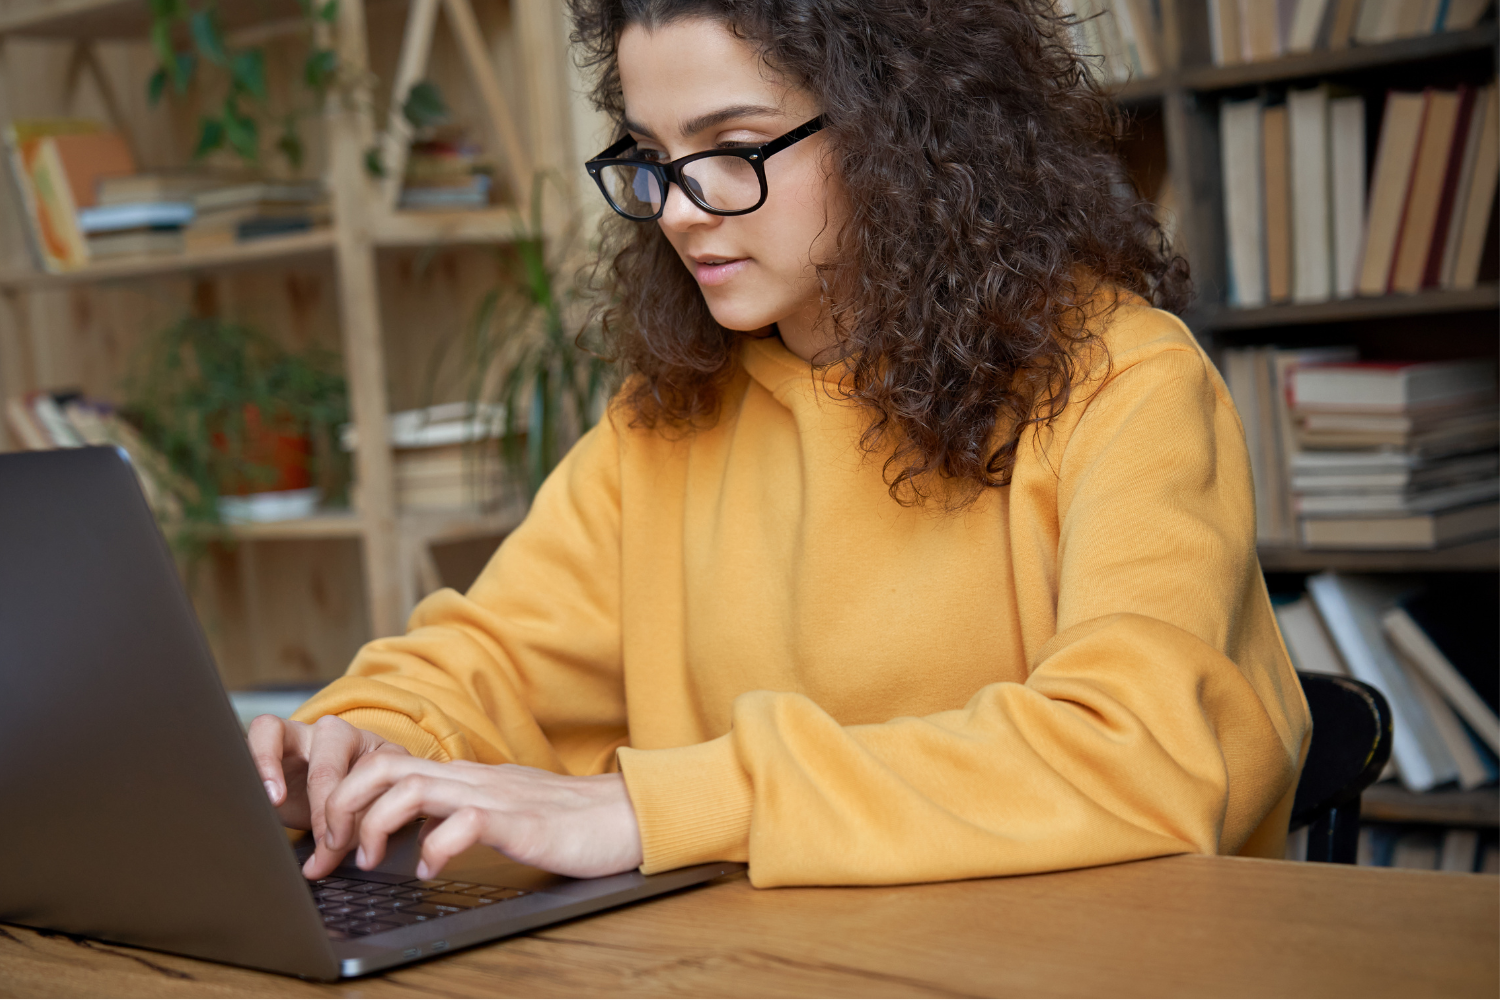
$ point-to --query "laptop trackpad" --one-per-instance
(479, 864)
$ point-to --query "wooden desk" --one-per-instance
(1184, 926)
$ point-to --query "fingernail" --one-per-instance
(423, 871)
(273, 790)
(328, 840)
(359, 858)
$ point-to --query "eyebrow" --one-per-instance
(706, 121)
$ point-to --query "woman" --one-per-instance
(918, 545)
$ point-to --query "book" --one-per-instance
(1459, 161)
(1282, 362)
(1416, 531)
(1307, 640)
(1391, 386)
(1240, 377)
(1396, 503)
(1395, 158)
(1244, 213)
(1346, 128)
(1444, 610)
(1224, 32)
(135, 215)
(1312, 250)
(182, 186)
(1347, 476)
(23, 425)
(1472, 771)
(51, 215)
(258, 193)
(1460, 850)
(1351, 608)
(1419, 221)
(135, 242)
(1461, 15)
(1276, 174)
(1424, 655)
(1472, 142)
(1306, 24)
(1478, 201)
(1341, 28)
(1259, 32)
(1430, 435)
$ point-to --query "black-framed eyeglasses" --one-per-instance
(719, 181)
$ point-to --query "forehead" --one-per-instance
(676, 71)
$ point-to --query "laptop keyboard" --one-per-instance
(353, 908)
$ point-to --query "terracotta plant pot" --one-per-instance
(279, 449)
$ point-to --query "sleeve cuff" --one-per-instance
(693, 804)
(393, 726)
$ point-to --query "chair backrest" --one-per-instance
(1351, 743)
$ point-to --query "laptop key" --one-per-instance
(403, 918)
(374, 927)
(453, 899)
(425, 883)
(429, 910)
(499, 895)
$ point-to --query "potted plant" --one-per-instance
(241, 419)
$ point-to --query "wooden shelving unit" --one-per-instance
(365, 219)
(1480, 555)
(1388, 802)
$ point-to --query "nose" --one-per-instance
(680, 214)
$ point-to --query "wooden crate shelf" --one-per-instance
(121, 19)
(270, 250)
(1388, 802)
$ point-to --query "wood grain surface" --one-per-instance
(1184, 926)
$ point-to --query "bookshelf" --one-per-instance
(503, 67)
(1179, 111)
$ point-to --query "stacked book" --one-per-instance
(1434, 663)
(1299, 224)
(1394, 455)
(1242, 31)
(1120, 38)
(446, 457)
(254, 210)
(1367, 455)
(446, 171)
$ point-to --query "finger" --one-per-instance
(269, 741)
(412, 796)
(453, 836)
(333, 748)
(370, 778)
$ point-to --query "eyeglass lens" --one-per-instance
(723, 183)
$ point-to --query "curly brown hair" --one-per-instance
(982, 227)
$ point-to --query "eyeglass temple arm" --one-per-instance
(795, 135)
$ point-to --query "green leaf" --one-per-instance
(289, 144)
(374, 164)
(248, 71)
(208, 38)
(186, 63)
(242, 133)
(210, 136)
(320, 68)
(161, 44)
(424, 105)
(167, 10)
(157, 84)
(329, 12)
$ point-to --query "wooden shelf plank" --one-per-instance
(418, 229)
(1405, 50)
(100, 19)
(1388, 802)
(1483, 554)
(327, 525)
(1435, 300)
(270, 249)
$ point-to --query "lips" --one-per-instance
(712, 271)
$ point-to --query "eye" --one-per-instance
(649, 155)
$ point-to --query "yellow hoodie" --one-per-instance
(792, 669)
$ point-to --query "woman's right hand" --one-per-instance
(301, 764)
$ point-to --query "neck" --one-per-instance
(809, 334)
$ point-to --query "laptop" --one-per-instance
(134, 813)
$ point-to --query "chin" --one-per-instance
(732, 313)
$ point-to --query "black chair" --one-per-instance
(1351, 743)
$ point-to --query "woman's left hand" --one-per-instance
(582, 827)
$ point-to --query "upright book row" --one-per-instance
(1243, 31)
(1299, 224)
(1122, 38)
